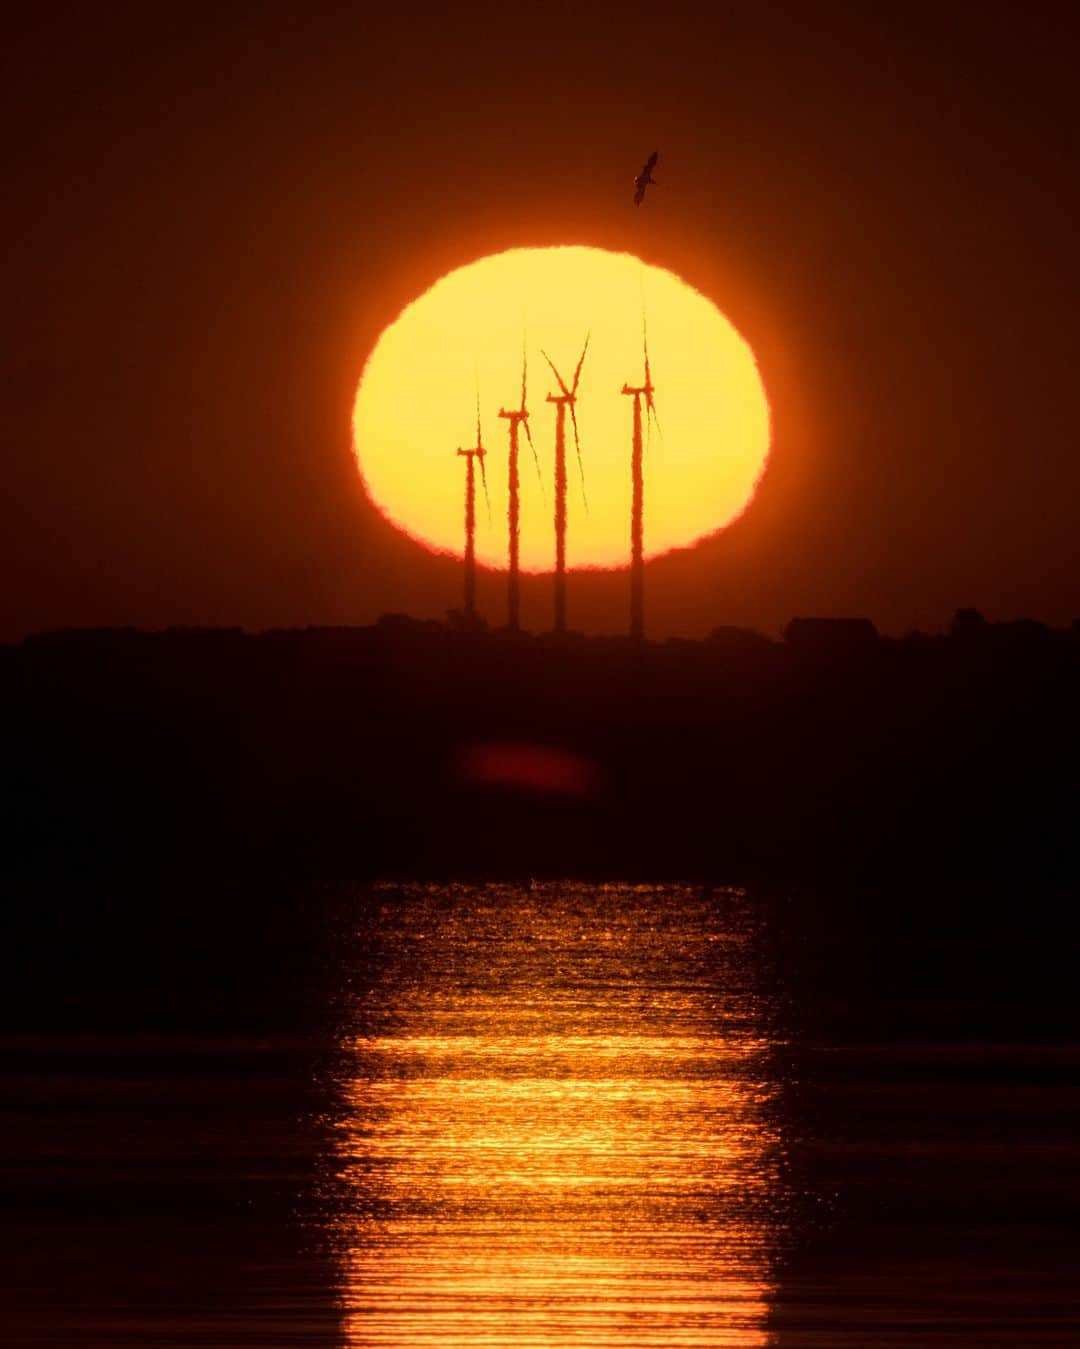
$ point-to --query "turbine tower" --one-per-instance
(470, 457)
(637, 509)
(566, 398)
(517, 418)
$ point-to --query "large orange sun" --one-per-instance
(416, 405)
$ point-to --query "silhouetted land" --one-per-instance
(354, 752)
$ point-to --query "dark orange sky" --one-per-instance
(208, 220)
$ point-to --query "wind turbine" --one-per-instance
(637, 508)
(563, 400)
(517, 417)
(471, 456)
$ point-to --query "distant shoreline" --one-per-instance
(416, 749)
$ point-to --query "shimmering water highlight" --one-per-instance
(556, 1123)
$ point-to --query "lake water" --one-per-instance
(532, 1116)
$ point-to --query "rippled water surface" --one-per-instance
(558, 1115)
(558, 1124)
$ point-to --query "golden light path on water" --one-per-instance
(557, 1124)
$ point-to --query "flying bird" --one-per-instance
(644, 178)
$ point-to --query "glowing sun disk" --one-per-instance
(415, 406)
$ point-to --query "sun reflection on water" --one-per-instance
(557, 1123)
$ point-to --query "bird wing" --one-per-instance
(639, 195)
(650, 163)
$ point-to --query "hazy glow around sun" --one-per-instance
(416, 404)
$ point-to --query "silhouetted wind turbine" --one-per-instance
(563, 400)
(470, 456)
(517, 418)
(637, 508)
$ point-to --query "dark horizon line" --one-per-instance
(802, 631)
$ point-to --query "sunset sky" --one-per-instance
(211, 215)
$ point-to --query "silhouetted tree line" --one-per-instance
(347, 751)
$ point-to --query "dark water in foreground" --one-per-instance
(576, 1115)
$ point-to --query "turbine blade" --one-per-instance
(524, 371)
(479, 442)
(536, 457)
(483, 479)
(559, 377)
(653, 416)
(581, 466)
(581, 362)
(650, 402)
